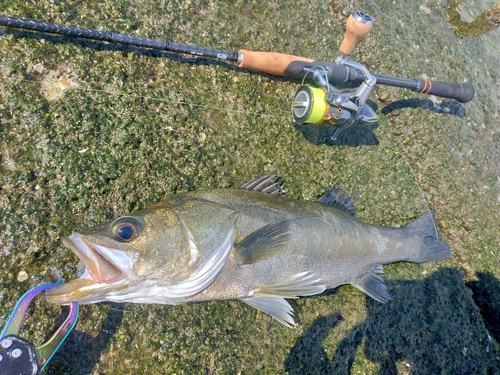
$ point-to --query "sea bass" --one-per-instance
(246, 243)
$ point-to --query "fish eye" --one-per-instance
(126, 229)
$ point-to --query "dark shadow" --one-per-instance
(431, 326)
(355, 135)
(80, 352)
(307, 355)
(450, 107)
(486, 294)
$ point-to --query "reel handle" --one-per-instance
(358, 26)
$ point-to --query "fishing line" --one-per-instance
(137, 96)
(427, 204)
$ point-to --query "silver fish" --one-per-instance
(246, 243)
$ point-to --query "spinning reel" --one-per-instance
(321, 103)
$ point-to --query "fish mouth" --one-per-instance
(103, 265)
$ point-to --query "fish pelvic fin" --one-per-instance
(373, 285)
(271, 298)
(433, 248)
(264, 184)
(263, 244)
(341, 202)
(275, 306)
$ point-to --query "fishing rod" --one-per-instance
(319, 103)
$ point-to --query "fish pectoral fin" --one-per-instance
(264, 243)
(271, 298)
(264, 184)
(201, 278)
(374, 285)
(341, 202)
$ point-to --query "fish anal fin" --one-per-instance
(263, 244)
(341, 202)
(263, 183)
(302, 284)
(373, 285)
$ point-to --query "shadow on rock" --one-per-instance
(354, 136)
(307, 355)
(486, 294)
(80, 352)
(432, 326)
(450, 107)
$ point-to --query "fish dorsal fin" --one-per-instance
(263, 244)
(341, 202)
(271, 298)
(264, 184)
(374, 285)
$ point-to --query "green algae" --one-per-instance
(488, 20)
(138, 126)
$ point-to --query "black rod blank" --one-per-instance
(106, 36)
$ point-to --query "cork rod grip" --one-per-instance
(269, 62)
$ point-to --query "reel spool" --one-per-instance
(310, 106)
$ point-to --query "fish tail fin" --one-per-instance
(433, 248)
